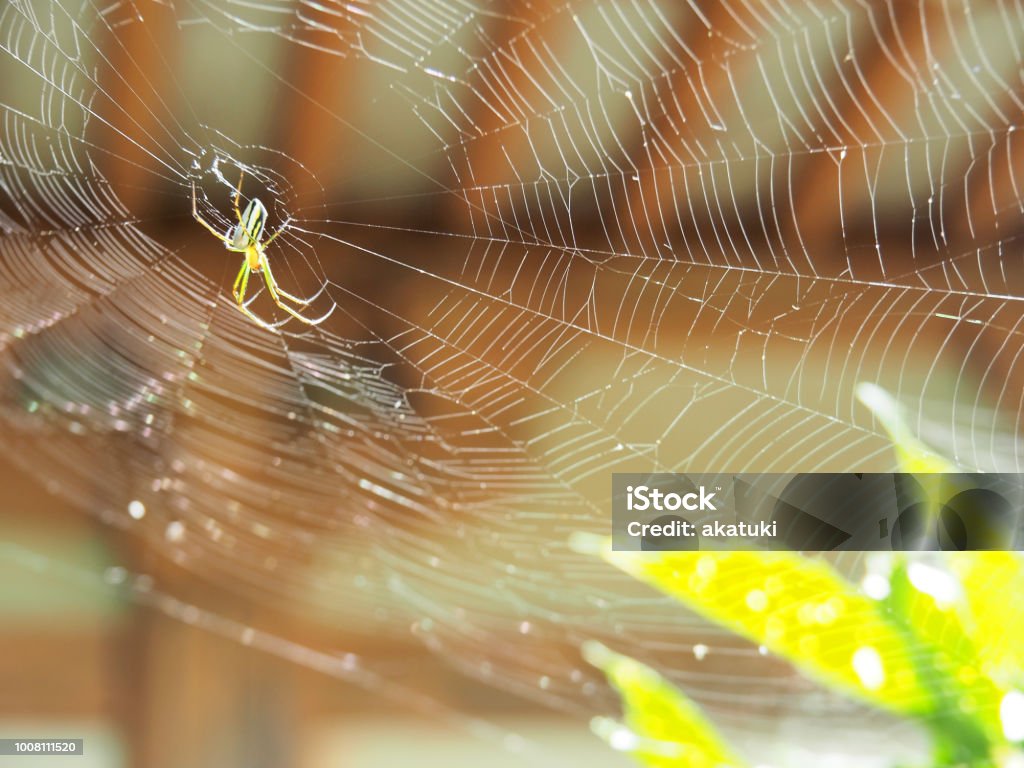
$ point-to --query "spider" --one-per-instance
(244, 237)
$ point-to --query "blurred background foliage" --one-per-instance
(933, 639)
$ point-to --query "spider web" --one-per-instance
(549, 241)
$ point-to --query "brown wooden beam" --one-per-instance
(880, 78)
(135, 105)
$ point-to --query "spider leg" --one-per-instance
(290, 297)
(273, 237)
(281, 291)
(241, 280)
(204, 222)
(295, 299)
(238, 194)
(241, 283)
(267, 242)
(268, 277)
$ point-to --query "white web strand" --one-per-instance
(659, 236)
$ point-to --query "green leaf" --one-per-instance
(991, 582)
(663, 728)
(924, 603)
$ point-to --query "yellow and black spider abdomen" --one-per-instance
(249, 229)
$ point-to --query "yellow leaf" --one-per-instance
(798, 607)
(913, 456)
(663, 728)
